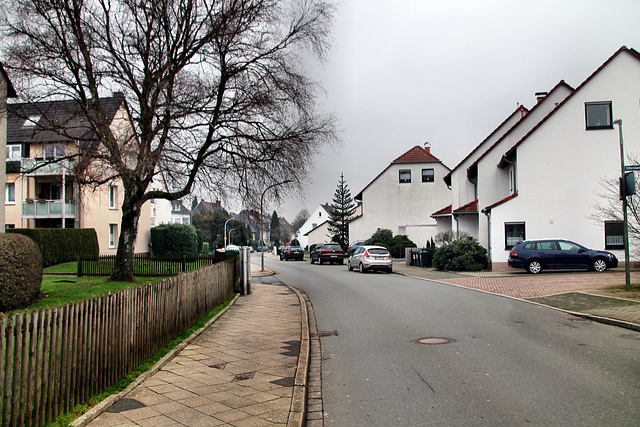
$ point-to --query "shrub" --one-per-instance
(205, 248)
(448, 237)
(461, 255)
(20, 271)
(59, 245)
(382, 237)
(174, 239)
(398, 245)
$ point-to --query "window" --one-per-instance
(10, 193)
(513, 234)
(405, 176)
(53, 151)
(14, 152)
(598, 115)
(113, 235)
(427, 175)
(614, 235)
(113, 197)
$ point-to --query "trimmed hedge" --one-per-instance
(60, 245)
(174, 239)
(20, 271)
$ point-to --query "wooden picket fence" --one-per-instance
(52, 359)
(146, 265)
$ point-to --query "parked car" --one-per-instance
(537, 255)
(327, 252)
(352, 247)
(292, 252)
(366, 258)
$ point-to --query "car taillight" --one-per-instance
(514, 253)
(324, 251)
(341, 251)
(366, 254)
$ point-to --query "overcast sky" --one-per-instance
(404, 72)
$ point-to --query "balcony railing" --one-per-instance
(48, 208)
(44, 168)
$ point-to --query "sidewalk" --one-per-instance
(248, 368)
(567, 291)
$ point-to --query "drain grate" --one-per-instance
(433, 340)
(324, 334)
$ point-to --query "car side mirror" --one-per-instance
(581, 250)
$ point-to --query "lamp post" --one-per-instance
(262, 221)
(231, 231)
(623, 195)
(225, 232)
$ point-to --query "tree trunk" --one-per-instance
(123, 269)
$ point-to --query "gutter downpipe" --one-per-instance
(487, 212)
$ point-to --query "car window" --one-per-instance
(531, 246)
(359, 250)
(378, 251)
(568, 246)
(333, 247)
(546, 246)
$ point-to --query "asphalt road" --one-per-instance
(509, 362)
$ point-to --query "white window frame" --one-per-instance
(113, 235)
(14, 152)
(113, 197)
(10, 195)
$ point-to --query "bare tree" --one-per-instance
(300, 219)
(608, 208)
(213, 87)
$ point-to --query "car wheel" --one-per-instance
(534, 267)
(599, 265)
(361, 268)
(390, 270)
(320, 261)
(349, 267)
(311, 259)
(341, 262)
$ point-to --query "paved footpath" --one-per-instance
(239, 372)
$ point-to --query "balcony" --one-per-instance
(40, 209)
(46, 169)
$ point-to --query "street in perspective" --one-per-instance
(400, 350)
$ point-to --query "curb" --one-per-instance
(101, 407)
(298, 411)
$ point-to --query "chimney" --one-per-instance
(541, 95)
(427, 147)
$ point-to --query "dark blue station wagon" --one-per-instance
(537, 255)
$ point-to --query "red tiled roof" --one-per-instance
(417, 155)
(471, 207)
(442, 212)
(499, 202)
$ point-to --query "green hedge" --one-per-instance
(20, 271)
(60, 245)
(175, 239)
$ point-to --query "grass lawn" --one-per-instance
(57, 290)
(620, 292)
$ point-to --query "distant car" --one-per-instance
(352, 247)
(369, 258)
(292, 252)
(537, 255)
(327, 252)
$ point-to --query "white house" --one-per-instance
(402, 197)
(309, 233)
(544, 176)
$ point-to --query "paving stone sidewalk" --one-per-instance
(239, 372)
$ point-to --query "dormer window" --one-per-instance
(32, 121)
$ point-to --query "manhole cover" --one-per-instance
(433, 340)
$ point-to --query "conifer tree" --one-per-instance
(342, 210)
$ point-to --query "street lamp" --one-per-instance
(623, 195)
(231, 231)
(262, 222)
(225, 232)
